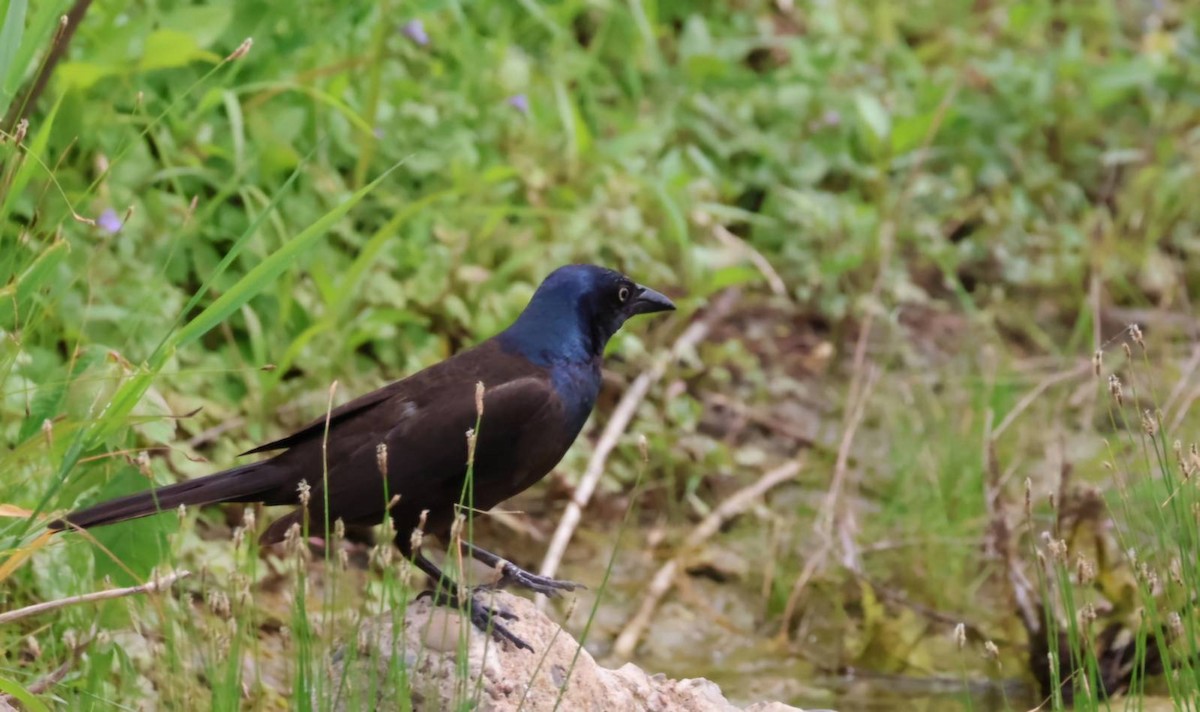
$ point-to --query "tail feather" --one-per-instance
(250, 483)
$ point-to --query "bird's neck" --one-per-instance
(554, 335)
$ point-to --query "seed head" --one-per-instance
(218, 603)
(991, 652)
(1135, 333)
(472, 440)
(293, 541)
(1085, 569)
(1087, 614)
(960, 636)
(479, 399)
(1114, 389)
(381, 460)
(1175, 625)
(1149, 424)
(1058, 550)
(242, 50)
(1097, 362)
(305, 492)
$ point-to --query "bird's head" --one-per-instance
(576, 310)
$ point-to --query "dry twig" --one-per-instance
(727, 238)
(1029, 398)
(664, 578)
(155, 584)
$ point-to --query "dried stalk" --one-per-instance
(664, 578)
(151, 586)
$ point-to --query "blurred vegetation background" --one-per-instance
(935, 213)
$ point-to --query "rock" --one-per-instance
(447, 662)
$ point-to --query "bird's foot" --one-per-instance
(485, 618)
(513, 575)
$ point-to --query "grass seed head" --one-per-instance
(1085, 569)
(218, 603)
(1175, 625)
(1149, 423)
(381, 459)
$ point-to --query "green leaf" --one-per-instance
(166, 49)
(137, 546)
(204, 23)
(34, 150)
(874, 117)
(25, 697)
(81, 76)
(20, 296)
(11, 34)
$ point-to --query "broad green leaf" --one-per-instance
(873, 115)
(33, 160)
(204, 23)
(11, 33)
(19, 296)
(81, 76)
(171, 48)
(20, 694)
(139, 545)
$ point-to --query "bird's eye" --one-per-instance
(623, 294)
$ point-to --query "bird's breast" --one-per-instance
(577, 385)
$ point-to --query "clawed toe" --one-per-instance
(485, 618)
(515, 575)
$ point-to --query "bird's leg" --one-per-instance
(511, 574)
(446, 593)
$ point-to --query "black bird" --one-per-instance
(540, 380)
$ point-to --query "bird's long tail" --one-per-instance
(249, 483)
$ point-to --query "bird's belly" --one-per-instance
(499, 478)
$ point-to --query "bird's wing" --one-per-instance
(316, 428)
(427, 448)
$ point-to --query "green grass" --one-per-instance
(343, 203)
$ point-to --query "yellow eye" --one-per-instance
(623, 294)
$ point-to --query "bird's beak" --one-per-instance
(649, 301)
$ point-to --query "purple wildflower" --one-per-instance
(109, 221)
(520, 102)
(415, 31)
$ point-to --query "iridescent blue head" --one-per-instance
(574, 313)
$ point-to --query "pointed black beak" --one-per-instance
(649, 301)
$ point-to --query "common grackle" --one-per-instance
(540, 380)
